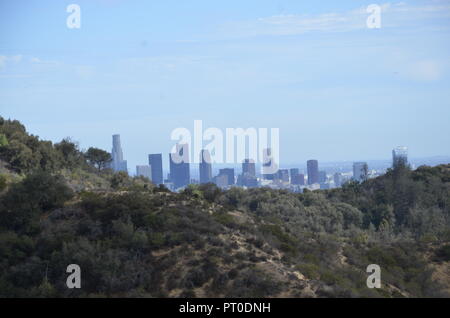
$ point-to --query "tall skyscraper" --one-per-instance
(270, 167)
(283, 175)
(144, 171)
(313, 171)
(400, 156)
(155, 162)
(248, 176)
(179, 166)
(296, 177)
(360, 171)
(249, 168)
(229, 173)
(294, 172)
(322, 177)
(205, 167)
(118, 164)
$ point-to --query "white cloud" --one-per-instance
(291, 24)
(36, 60)
(4, 60)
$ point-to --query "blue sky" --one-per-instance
(336, 89)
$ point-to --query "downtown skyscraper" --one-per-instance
(179, 166)
(118, 164)
(155, 162)
(313, 171)
(205, 167)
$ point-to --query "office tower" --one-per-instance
(248, 176)
(399, 156)
(155, 162)
(283, 175)
(294, 172)
(205, 167)
(337, 179)
(322, 177)
(298, 179)
(313, 171)
(179, 166)
(118, 164)
(249, 168)
(269, 168)
(221, 180)
(360, 171)
(144, 171)
(229, 173)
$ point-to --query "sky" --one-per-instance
(336, 89)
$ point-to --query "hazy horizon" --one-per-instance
(337, 90)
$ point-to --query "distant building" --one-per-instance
(179, 166)
(118, 164)
(269, 168)
(155, 162)
(283, 175)
(229, 172)
(294, 172)
(205, 167)
(313, 171)
(298, 179)
(249, 168)
(400, 156)
(221, 180)
(248, 177)
(322, 177)
(360, 171)
(337, 179)
(144, 171)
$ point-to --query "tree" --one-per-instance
(98, 157)
(71, 155)
(39, 192)
(3, 140)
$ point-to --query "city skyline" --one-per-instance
(180, 174)
(334, 87)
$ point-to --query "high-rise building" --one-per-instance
(221, 180)
(298, 179)
(294, 172)
(179, 166)
(283, 175)
(313, 171)
(249, 168)
(360, 171)
(118, 164)
(270, 167)
(399, 156)
(322, 177)
(205, 167)
(144, 171)
(155, 162)
(248, 177)
(229, 172)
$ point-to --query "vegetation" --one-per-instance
(60, 206)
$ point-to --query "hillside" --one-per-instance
(60, 206)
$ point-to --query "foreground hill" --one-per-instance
(132, 239)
